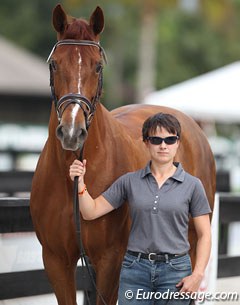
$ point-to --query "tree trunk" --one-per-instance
(147, 51)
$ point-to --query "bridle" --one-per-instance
(76, 98)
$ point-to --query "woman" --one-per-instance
(156, 268)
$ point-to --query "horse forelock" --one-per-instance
(79, 29)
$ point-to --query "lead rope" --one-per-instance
(83, 257)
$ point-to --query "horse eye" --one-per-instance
(53, 65)
(99, 67)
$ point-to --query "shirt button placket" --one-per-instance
(155, 208)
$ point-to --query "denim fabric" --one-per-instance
(146, 283)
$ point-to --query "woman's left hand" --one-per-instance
(190, 283)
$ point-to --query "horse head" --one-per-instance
(76, 64)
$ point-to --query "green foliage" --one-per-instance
(187, 44)
(28, 23)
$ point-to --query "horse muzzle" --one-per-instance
(71, 134)
(71, 137)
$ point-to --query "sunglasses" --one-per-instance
(158, 140)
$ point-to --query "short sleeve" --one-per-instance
(199, 203)
(116, 194)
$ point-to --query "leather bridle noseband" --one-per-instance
(76, 98)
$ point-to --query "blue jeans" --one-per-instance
(150, 283)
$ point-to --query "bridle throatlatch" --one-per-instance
(76, 98)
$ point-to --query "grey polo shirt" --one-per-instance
(160, 216)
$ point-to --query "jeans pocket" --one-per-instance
(181, 264)
(128, 261)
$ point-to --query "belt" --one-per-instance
(154, 257)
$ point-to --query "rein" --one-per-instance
(83, 257)
(60, 105)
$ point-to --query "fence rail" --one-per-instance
(229, 211)
(35, 282)
(14, 181)
(15, 217)
(14, 154)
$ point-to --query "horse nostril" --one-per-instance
(59, 132)
(82, 133)
(66, 133)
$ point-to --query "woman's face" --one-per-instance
(162, 153)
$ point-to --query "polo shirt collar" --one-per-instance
(180, 172)
(178, 175)
(146, 170)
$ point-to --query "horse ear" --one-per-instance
(97, 21)
(59, 18)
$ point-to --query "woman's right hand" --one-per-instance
(78, 168)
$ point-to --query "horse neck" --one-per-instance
(109, 142)
(104, 129)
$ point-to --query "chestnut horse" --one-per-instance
(113, 146)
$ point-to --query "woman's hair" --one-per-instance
(161, 120)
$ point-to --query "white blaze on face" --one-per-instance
(76, 106)
(79, 71)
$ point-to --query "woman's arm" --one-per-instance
(203, 228)
(90, 208)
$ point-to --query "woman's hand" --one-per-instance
(190, 283)
(78, 168)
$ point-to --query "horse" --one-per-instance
(112, 146)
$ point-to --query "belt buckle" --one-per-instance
(149, 256)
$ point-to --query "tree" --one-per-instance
(180, 43)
